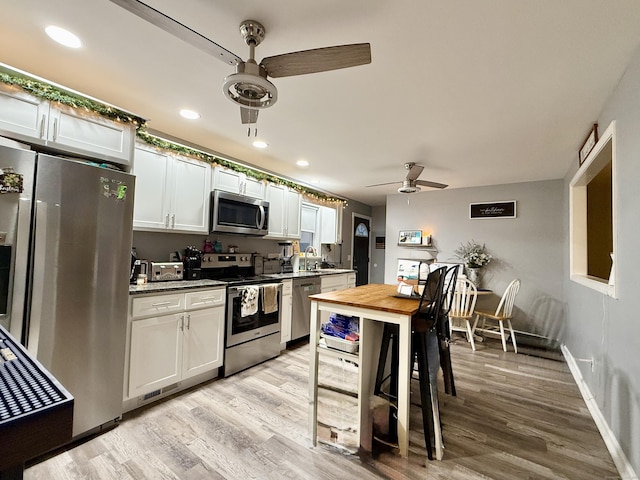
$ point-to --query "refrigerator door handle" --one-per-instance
(38, 287)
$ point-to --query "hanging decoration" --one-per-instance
(52, 93)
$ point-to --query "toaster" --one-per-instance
(164, 271)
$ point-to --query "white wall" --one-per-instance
(529, 247)
(600, 327)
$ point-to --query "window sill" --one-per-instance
(595, 284)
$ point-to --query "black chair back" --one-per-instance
(450, 279)
(431, 300)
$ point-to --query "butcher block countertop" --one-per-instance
(373, 296)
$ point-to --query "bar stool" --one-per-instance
(423, 328)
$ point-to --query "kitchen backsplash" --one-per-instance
(159, 246)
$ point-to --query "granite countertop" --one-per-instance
(159, 287)
(310, 273)
(156, 287)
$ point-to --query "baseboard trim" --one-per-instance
(617, 454)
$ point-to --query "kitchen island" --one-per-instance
(373, 304)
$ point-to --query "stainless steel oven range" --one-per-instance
(252, 333)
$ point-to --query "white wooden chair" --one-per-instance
(502, 314)
(463, 303)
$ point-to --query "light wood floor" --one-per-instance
(515, 417)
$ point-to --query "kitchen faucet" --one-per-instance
(306, 260)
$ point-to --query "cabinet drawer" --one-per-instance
(205, 298)
(287, 287)
(156, 305)
(332, 283)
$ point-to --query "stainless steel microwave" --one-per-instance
(232, 213)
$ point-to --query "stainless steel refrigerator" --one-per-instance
(65, 243)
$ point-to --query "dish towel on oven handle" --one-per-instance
(270, 298)
(249, 303)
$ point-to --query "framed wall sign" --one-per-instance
(506, 209)
(588, 144)
(410, 237)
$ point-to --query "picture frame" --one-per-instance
(501, 209)
(588, 144)
(410, 237)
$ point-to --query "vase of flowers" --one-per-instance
(475, 257)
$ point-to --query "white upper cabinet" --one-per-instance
(328, 224)
(284, 211)
(237, 182)
(172, 192)
(29, 119)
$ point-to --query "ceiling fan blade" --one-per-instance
(179, 30)
(317, 60)
(414, 172)
(380, 184)
(248, 115)
(426, 183)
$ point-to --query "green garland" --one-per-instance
(213, 160)
(54, 94)
(51, 93)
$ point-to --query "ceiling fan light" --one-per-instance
(249, 91)
(408, 188)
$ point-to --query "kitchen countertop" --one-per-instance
(159, 287)
(310, 273)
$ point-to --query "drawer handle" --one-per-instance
(160, 304)
(205, 299)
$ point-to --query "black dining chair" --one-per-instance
(424, 331)
(444, 331)
(424, 328)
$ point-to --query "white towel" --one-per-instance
(270, 298)
(249, 304)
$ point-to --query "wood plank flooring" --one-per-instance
(515, 417)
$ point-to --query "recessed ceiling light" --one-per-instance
(63, 37)
(302, 163)
(260, 144)
(190, 114)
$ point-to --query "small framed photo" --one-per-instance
(588, 144)
(410, 237)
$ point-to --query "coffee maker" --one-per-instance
(286, 253)
(192, 262)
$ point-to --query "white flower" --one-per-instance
(473, 254)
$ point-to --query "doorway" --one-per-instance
(361, 244)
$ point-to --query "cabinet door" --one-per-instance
(226, 180)
(22, 116)
(252, 187)
(293, 204)
(276, 198)
(156, 353)
(88, 133)
(190, 196)
(203, 341)
(287, 311)
(327, 225)
(151, 205)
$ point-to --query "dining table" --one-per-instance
(374, 305)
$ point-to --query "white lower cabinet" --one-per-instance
(174, 337)
(287, 311)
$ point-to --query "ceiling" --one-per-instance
(479, 92)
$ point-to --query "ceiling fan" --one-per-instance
(249, 86)
(411, 182)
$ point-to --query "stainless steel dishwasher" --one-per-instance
(301, 308)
